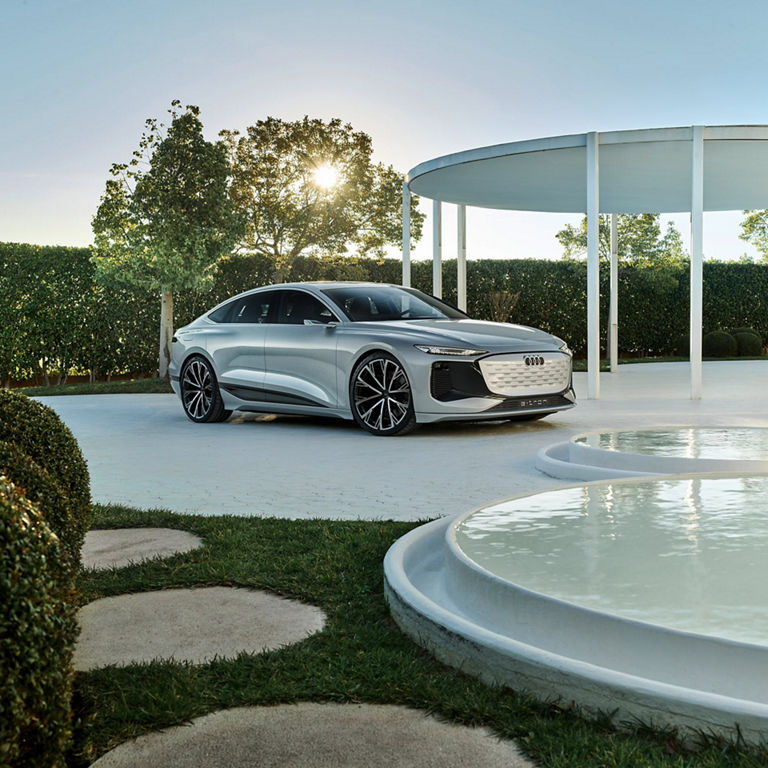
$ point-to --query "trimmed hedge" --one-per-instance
(38, 630)
(35, 430)
(52, 310)
(47, 495)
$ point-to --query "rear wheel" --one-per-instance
(200, 394)
(380, 396)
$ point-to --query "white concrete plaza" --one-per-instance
(143, 451)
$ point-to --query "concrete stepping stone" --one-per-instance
(317, 735)
(115, 548)
(189, 625)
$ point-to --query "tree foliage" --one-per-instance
(754, 229)
(289, 213)
(165, 217)
(640, 240)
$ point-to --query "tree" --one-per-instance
(754, 229)
(166, 217)
(310, 187)
(640, 241)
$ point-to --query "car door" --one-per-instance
(300, 352)
(236, 344)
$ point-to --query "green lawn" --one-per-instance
(127, 387)
(360, 656)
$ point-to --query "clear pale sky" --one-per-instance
(79, 77)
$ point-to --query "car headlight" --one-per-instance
(564, 349)
(457, 351)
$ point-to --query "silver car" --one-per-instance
(386, 356)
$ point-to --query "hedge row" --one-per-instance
(54, 317)
(44, 514)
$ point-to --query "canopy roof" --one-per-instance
(643, 171)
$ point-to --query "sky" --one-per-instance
(423, 78)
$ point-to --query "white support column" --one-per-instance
(697, 230)
(461, 259)
(613, 322)
(437, 249)
(593, 268)
(406, 234)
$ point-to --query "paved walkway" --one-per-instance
(317, 736)
(142, 450)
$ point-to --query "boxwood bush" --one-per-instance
(719, 344)
(734, 331)
(748, 343)
(41, 489)
(37, 636)
(35, 430)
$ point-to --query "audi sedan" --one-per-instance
(386, 356)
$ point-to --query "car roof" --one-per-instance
(332, 284)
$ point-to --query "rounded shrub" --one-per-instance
(719, 344)
(36, 430)
(41, 489)
(38, 630)
(748, 344)
(734, 331)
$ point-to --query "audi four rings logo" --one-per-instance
(534, 360)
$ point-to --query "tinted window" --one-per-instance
(298, 306)
(221, 315)
(385, 302)
(253, 308)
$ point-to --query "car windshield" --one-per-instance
(362, 303)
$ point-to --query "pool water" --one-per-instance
(691, 554)
(732, 443)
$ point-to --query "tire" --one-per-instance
(380, 396)
(200, 394)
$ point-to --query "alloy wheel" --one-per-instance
(382, 396)
(197, 387)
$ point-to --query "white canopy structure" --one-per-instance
(664, 170)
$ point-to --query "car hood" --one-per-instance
(476, 334)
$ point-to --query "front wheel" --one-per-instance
(200, 394)
(380, 396)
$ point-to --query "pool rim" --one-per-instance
(502, 659)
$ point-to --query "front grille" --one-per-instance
(527, 373)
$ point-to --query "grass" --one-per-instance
(127, 387)
(360, 656)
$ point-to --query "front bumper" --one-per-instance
(499, 386)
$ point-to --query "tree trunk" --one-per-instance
(166, 332)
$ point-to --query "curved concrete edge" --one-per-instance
(422, 606)
(553, 460)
